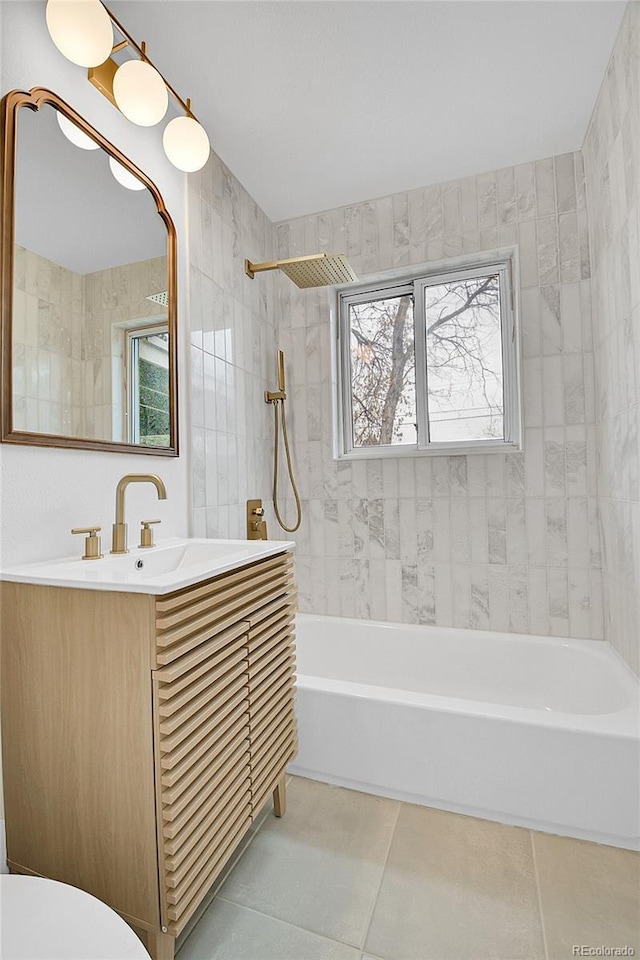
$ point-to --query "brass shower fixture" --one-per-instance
(318, 270)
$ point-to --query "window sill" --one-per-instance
(433, 450)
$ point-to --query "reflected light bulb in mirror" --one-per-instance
(186, 144)
(77, 136)
(140, 93)
(124, 177)
(81, 30)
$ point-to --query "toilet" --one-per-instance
(44, 918)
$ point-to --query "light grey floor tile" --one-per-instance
(230, 932)
(590, 895)
(456, 888)
(238, 853)
(319, 867)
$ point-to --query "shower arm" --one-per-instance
(252, 268)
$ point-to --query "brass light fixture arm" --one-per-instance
(142, 53)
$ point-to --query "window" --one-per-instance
(148, 378)
(429, 364)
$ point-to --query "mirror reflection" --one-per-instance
(90, 318)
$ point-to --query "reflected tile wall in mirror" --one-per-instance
(89, 256)
(68, 338)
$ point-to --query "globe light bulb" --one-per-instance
(140, 93)
(186, 144)
(124, 177)
(73, 133)
(81, 30)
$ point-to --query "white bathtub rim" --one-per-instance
(623, 723)
(541, 826)
(601, 649)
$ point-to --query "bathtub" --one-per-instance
(537, 732)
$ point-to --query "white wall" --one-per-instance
(45, 492)
(495, 541)
(612, 162)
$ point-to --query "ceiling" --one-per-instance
(318, 104)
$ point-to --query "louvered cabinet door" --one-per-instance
(273, 732)
(204, 793)
(223, 708)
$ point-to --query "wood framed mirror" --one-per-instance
(88, 274)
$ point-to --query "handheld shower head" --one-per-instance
(281, 381)
(318, 270)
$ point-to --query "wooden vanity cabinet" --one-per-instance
(142, 735)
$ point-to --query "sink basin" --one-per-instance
(170, 565)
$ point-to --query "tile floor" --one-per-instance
(349, 876)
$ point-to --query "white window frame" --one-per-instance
(414, 284)
(131, 384)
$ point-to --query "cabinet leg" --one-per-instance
(280, 797)
(160, 945)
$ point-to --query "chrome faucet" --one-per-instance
(119, 537)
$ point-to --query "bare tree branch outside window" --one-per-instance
(464, 360)
(464, 365)
(383, 372)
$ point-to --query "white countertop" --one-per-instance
(170, 565)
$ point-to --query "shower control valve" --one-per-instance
(256, 526)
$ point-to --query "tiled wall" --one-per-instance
(46, 343)
(63, 341)
(501, 541)
(114, 297)
(232, 353)
(612, 161)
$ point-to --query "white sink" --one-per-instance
(170, 565)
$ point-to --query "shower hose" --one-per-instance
(283, 419)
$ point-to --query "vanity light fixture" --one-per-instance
(83, 32)
(79, 138)
(124, 177)
(140, 92)
(74, 134)
(186, 144)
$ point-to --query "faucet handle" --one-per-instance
(91, 544)
(146, 534)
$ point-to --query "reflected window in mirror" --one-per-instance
(148, 375)
(93, 286)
